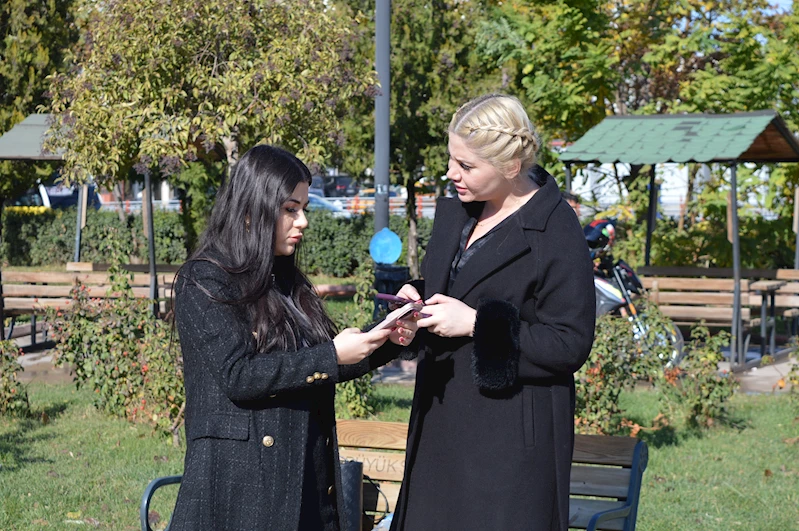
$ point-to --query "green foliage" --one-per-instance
(198, 81)
(355, 396)
(337, 246)
(39, 236)
(13, 394)
(695, 390)
(118, 349)
(34, 37)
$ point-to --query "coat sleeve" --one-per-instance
(215, 335)
(507, 348)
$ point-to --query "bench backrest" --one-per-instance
(690, 300)
(606, 470)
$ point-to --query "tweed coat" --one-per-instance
(247, 413)
(492, 426)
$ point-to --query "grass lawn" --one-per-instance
(81, 467)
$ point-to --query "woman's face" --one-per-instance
(474, 178)
(292, 221)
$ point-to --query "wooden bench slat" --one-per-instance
(382, 466)
(581, 510)
(693, 284)
(14, 303)
(45, 277)
(697, 313)
(374, 434)
(694, 297)
(31, 290)
(601, 481)
(604, 450)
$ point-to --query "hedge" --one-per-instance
(39, 236)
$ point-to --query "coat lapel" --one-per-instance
(508, 243)
(443, 244)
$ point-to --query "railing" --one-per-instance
(135, 206)
(425, 206)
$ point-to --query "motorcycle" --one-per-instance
(618, 288)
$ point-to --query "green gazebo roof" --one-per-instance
(24, 140)
(760, 136)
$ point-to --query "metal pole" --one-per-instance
(382, 111)
(79, 223)
(652, 213)
(735, 346)
(796, 226)
(568, 171)
(151, 242)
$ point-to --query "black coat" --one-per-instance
(247, 413)
(492, 426)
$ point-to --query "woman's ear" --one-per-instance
(513, 170)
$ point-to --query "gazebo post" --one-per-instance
(151, 241)
(567, 170)
(796, 226)
(78, 225)
(735, 340)
(652, 213)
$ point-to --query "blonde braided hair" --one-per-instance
(497, 129)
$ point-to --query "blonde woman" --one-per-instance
(510, 298)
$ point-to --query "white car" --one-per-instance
(316, 202)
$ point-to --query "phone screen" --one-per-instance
(399, 313)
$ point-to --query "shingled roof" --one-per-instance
(760, 136)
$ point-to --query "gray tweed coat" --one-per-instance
(247, 413)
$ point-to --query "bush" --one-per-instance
(39, 236)
(13, 394)
(337, 246)
(695, 391)
(120, 350)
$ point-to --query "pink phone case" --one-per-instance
(399, 313)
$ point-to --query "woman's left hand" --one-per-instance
(405, 331)
(449, 317)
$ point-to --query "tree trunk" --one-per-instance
(413, 240)
(231, 151)
(689, 195)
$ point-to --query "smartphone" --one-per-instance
(392, 298)
(399, 313)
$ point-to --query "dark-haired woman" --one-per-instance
(261, 361)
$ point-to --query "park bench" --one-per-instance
(32, 292)
(604, 489)
(688, 301)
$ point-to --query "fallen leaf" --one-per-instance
(768, 473)
(40, 521)
(153, 517)
(791, 441)
(74, 515)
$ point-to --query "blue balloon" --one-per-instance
(385, 246)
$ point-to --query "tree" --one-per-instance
(201, 81)
(35, 36)
(434, 70)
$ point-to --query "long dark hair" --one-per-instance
(240, 239)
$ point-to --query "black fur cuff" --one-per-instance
(495, 360)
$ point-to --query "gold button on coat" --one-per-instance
(330, 489)
(268, 441)
(317, 375)
(310, 379)
(325, 376)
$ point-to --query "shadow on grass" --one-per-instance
(15, 445)
(383, 403)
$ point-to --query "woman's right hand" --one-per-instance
(352, 345)
(409, 292)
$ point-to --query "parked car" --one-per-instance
(341, 186)
(316, 202)
(55, 196)
(364, 201)
(317, 185)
